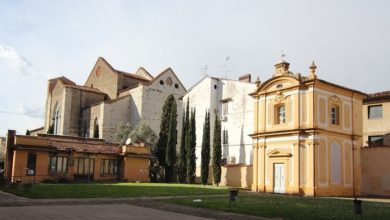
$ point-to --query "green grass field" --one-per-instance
(117, 190)
(265, 205)
(289, 207)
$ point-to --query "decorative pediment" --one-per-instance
(277, 83)
(279, 153)
(335, 98)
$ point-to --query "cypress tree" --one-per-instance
(170, 157)
(182, 167)
(191, 144)
(164, 127)
(205, 149)
(217, 152)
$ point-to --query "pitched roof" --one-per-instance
(85, 88)
(64, 80)
(123, 73)
(86, 147)
(383, 96)
(169, 69)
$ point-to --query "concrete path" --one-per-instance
(14, 207)
(90, 212)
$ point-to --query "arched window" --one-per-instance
(96, 129)
(56, 118)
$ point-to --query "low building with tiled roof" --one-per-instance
(57, 158)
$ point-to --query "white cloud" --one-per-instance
(32, 110)
(17, 62)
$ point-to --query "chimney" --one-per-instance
(281, 68)
(245, 78)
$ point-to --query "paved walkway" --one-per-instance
(90, 212)
(14, 207)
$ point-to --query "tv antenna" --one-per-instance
(226, 66)
(203, 70)
(282, 55)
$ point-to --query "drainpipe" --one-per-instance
(353, 150)
(314, 140)
(299, 133)
(264, 140)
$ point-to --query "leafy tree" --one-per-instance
(205, 149)
(123, 133)
(164, 130)
(191, 144)
(28, 132)
(182, 164)
(170, 157)
(217, 152)
(142, 133)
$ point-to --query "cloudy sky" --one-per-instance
(349, 40)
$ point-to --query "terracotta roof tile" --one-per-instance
(377, 97)
(86, 147)
(85, 88)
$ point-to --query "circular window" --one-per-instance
(215, 86)
(161, 82)
(176, 86)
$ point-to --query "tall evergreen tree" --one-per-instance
(170, 157)
(164, 129)
(205, 149)
(217, 152)
(191, 144)
(182, 167)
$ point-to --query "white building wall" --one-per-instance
(239, 121)
(154, 96)
(207, 94)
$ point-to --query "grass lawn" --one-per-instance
(117, 190)
(288, 207)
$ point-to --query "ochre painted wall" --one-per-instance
(375, 171)
(136, 169)
(236, 176)
(19, 166)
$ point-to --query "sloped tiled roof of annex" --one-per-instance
(85, 88)
(70, 84)
(64, 80)
(383, 96)
(125, 74)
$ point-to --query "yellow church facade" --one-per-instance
(307, 135)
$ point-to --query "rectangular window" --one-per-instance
(280, 114)
(374, 111)
(225, 137)
(58, 164)
(225, 108)
(83, 166)
(31, 164)
(375, 141)
(335, 114)
(108, 166)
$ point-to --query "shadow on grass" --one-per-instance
(117, 190)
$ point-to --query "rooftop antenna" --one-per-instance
(226, 66)
(282, 55)
(203, 71)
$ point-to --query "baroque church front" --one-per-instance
(307, 135)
